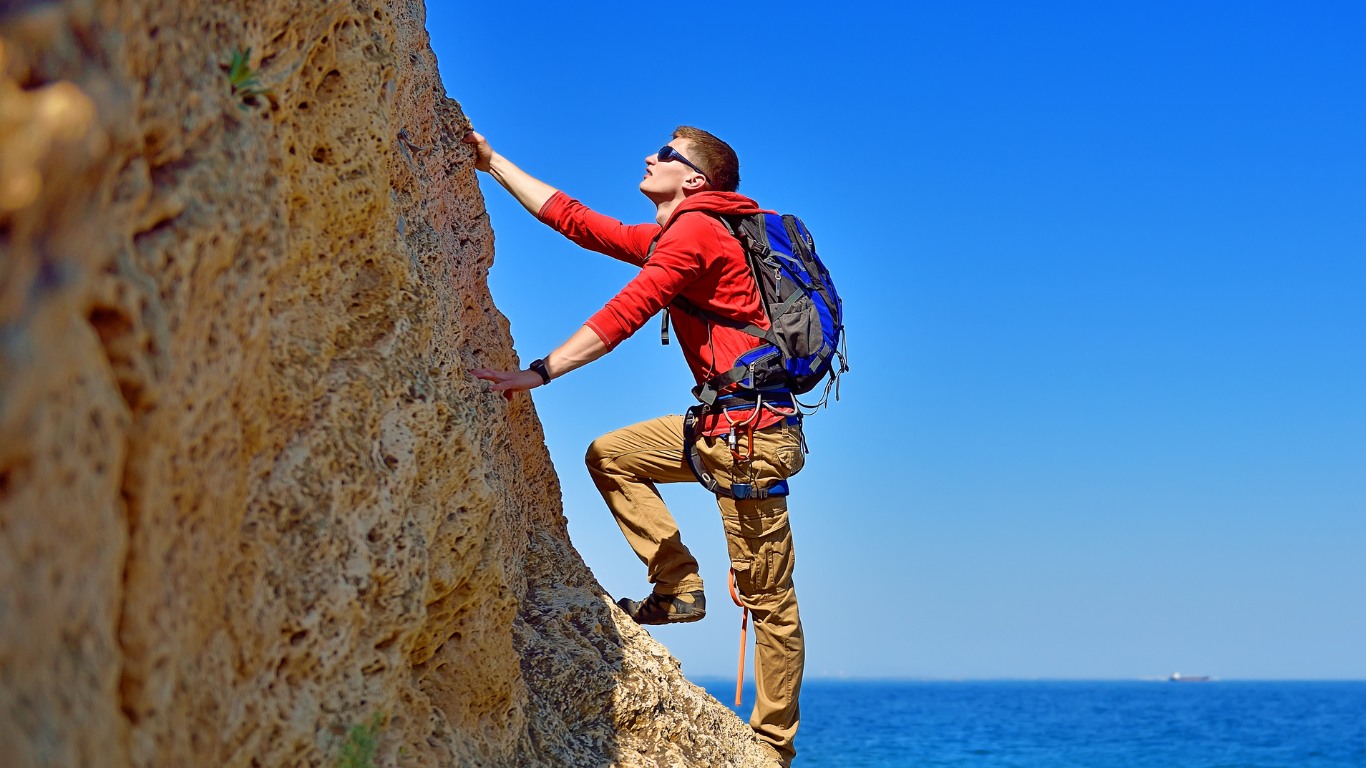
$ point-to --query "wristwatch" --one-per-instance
(539, 367)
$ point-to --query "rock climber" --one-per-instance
(685, 253)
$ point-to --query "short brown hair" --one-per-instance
(713, 156)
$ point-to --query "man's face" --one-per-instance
(664, 179)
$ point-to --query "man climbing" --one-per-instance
(687, 259)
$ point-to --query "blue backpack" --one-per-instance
(805, 338)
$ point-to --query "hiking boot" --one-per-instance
(666, 609)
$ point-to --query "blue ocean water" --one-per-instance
(1217, 724)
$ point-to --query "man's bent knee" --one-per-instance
(597, 456)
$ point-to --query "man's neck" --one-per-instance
(666, 209)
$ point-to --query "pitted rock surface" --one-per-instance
(252, 507)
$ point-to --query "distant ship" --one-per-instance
(1177, 677)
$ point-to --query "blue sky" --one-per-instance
(1103, 270)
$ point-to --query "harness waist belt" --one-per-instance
(733, 401)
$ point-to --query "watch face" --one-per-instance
(539, 367)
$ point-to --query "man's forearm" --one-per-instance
(529, 191)
(579, 350)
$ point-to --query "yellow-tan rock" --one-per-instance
(253, 510)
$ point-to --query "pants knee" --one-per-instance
(596, 457)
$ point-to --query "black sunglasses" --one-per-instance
(667, 153)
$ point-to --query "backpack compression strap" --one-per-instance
(707, 392)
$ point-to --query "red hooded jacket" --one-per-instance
(696, 258)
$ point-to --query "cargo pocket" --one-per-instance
(759, 542)
(779, 450)
(789, 461)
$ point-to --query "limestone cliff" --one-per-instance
(252, 509)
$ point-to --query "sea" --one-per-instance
(1067, 724)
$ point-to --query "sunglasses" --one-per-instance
(667, 153)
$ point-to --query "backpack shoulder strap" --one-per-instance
(750, 328)
(742, 227)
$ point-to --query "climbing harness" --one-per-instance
(780, 403)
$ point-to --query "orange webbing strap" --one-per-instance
(744, 623)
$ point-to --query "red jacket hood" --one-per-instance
(725, 203)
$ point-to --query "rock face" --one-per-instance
(253, 512)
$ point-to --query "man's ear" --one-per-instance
(694, 183)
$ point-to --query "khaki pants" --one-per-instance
(626, 465)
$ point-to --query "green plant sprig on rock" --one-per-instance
(246, 86)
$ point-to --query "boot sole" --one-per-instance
(630, 608)
(686, 618)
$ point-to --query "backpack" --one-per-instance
(806, 333)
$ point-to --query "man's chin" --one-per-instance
(655, 196)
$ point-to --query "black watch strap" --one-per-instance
(539, 367)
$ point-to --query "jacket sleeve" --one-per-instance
(596, 232)
(677, 261)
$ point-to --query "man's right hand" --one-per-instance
(530, 192)
(483, 153)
